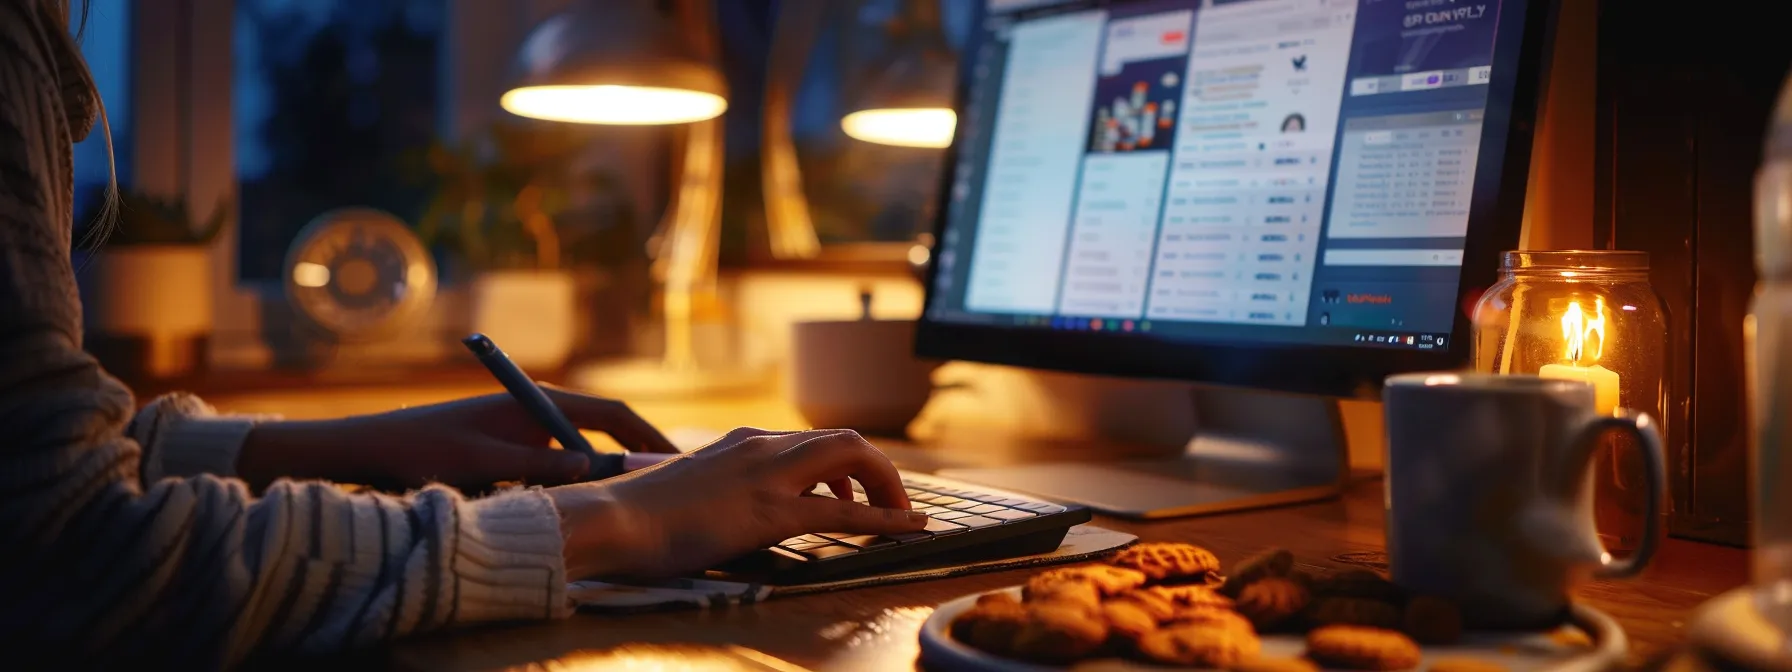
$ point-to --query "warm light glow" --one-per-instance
(613, 104)
(310, 274)
(919, 254)
(1577, 326)
(913, 127)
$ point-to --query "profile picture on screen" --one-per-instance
(1294, 123)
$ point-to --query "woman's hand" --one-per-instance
(746, 491)
(470, 442)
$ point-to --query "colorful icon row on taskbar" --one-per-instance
(1082, 323)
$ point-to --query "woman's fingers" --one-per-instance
(821, 513)
(610, 417)
(834, 455)
(842, 489)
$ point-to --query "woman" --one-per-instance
(132, 538)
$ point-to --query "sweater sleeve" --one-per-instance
(180, 435)
(102, 566)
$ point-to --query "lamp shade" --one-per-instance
(909, 103)
(615, 62)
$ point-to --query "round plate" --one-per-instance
(359, 273)
(1515, 652)
(1729, 627)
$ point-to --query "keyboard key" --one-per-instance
(860, 497)
(977, 521)
(964, 504)
(786, 554)
(950, 515)
(867, 541)
(946, 500)
(1043, 507)
(1010, 514)
(986, 508)
(856, 487)
(939, 527)
(832, 551)
(911, 537)
(934, 510)
(803, 545)
(1010, 501)
(831, 536)
(926, 498)
(982, 497)
(912, 493)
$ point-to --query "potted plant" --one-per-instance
(152, 282)
(498, 207)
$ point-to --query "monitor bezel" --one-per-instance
(1496, 211)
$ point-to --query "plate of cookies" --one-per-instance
(1154, 606)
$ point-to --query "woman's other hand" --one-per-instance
(469, 442)
(746, 491)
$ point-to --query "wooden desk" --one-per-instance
(875, 628)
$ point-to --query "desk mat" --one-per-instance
(1082, 542)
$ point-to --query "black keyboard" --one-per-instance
(969, 523)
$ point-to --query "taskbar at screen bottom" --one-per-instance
(1208, 332)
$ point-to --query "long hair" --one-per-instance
(100, 227)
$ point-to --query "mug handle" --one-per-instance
(1648, 438)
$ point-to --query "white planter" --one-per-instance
(161, 293)
(527, 313)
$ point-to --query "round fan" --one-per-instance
(360, 274)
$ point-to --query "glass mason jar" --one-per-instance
(1767, 336)
(1587, 315)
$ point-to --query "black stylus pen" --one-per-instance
(536, 402)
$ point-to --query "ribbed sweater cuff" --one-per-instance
(509, 560)
(203, 445)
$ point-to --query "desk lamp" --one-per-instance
(909, 102)
(642, 62)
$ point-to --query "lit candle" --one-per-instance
(1575, 327)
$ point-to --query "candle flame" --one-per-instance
(1577, 326)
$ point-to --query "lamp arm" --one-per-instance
(789, 226)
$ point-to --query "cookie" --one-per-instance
(1159, 607)
(1213, 617)
(1168, 561)
(1432, 620)
(1275, 562)
(1197, 645)
(1465, 665)
(1108, 581)
(1359, 648)
(1192, 596)
(1358, 583)
(1269, 664)
(992, 625)
(1272, 601)
(1128, 620)
(1081, 593)
(1058, 633)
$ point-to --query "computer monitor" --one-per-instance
(1296, 196)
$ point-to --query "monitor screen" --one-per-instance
(1252, 171)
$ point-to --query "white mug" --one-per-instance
(859, 374)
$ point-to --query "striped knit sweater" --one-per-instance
(124, 538)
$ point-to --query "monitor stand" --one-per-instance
(1251, 449)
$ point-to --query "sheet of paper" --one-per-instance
(1080, 543)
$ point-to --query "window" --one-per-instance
(335, 103)
(106, 44)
